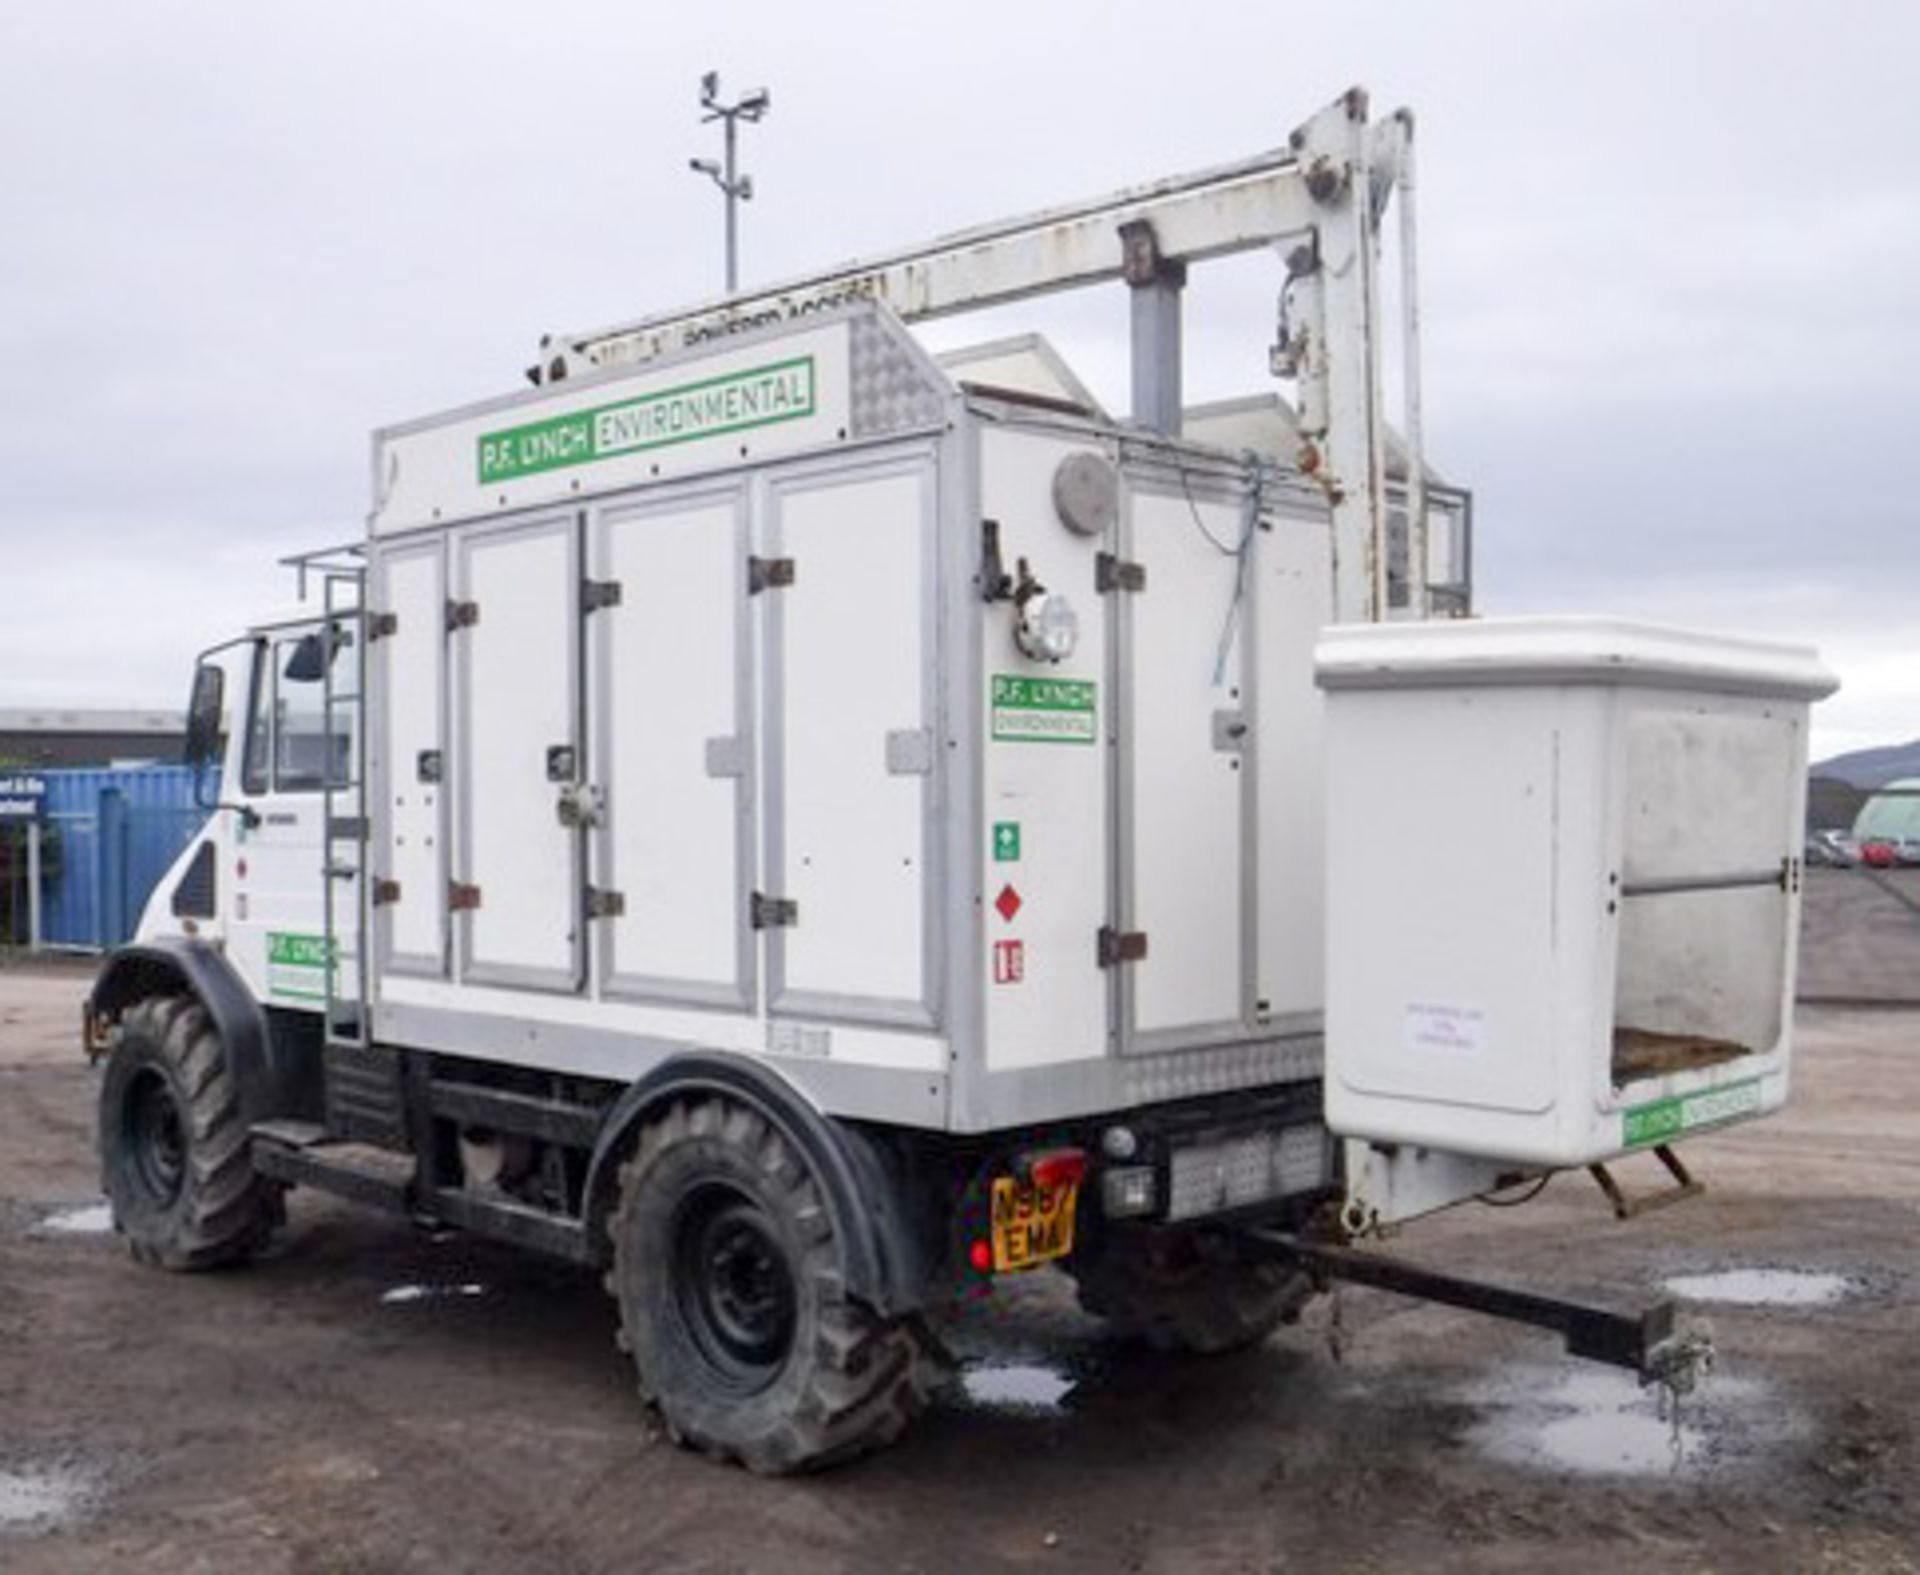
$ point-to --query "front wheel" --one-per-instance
(727, 1269)
(173, 1145)
(1192, 1290)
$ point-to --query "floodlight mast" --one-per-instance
(1319, 202)
(734, 187)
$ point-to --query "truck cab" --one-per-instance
(277, 751)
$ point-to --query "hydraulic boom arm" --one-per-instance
(1322, 198)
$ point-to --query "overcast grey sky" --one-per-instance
(1671, 268)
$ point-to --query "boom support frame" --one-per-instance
(1320, 200)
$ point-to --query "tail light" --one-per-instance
(1055, 1167)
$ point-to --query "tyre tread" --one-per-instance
(1226, 1302)
(865, 1377)
(228, 1210)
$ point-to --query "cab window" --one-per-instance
(288, 748)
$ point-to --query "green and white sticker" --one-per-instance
(297, 965)
(1006, 842)
(1045, 710)
(1669, 1118)
(733, 402)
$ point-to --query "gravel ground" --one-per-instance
(1861, 936)
(375, 1398)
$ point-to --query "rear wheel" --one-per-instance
(173, 1147)
(1188, 1290)
(728, 1274)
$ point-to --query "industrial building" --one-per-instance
(48, 736)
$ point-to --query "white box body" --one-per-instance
(1563, 893)
(692, 724)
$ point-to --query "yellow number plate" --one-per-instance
(1031, 1223)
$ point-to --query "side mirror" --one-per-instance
(308, 663)
(203, 714)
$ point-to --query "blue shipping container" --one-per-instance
(111, 835)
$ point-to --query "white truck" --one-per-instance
(806, 825)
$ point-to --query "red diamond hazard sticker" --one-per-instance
(1008, 902)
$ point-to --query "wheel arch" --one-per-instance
(192, 968)
(883, 1266)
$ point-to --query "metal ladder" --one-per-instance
(344, 843)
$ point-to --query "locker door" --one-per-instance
(515, 634)
(850, 749)
(673, 749)
(408, 757)
(1183, 854)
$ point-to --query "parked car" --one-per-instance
(1906, 850)
(1831, 850)
(1879, 853)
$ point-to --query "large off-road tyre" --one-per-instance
(173, 1146)
(733, 1305)
(1188, 1290)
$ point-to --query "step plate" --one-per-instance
(377, 1177)
(363, 1093)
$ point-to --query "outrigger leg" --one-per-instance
(1658, 1344)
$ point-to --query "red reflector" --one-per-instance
(1057, 1167)
(980, 1255)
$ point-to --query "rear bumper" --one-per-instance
(1254, 1155)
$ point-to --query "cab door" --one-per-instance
(277, 930)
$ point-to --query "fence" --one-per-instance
(107, 836)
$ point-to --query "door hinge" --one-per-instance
(462, 897)
(766, 574)
(598, 594)
(462, 615)
(1111, 573)
(1120, 946)
(773, 913)
(385, 892)
(381, 625)
(605, 904)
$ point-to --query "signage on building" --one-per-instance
(22, 797)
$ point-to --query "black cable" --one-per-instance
(1492, 1202)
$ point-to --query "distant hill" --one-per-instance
(1872, 768)
(1832, 804)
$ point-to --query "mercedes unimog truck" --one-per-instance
(808, 827)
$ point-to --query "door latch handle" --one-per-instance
(579, 806)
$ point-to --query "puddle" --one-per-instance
(1016, 1386)
(1602, 1423)
(1763, 1288)
(39, 1501)
(399, 1295)
(89, 1219)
